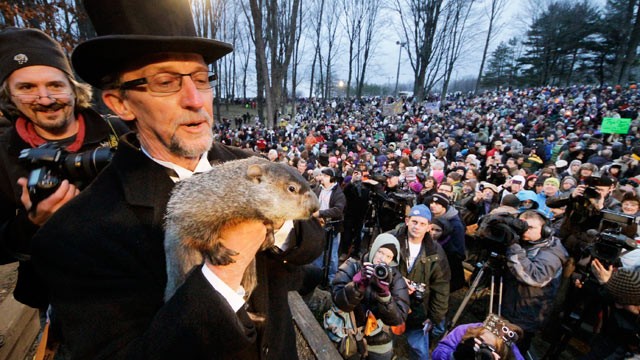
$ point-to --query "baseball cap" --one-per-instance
(421, 210)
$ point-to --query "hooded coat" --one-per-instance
(431, 268)
(392, 310)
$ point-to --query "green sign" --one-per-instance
(615, 126)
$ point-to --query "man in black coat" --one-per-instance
(102, 256)
(47, 106)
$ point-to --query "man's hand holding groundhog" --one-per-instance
(245, 239)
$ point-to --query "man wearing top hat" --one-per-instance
(46, 105)
(106, 269)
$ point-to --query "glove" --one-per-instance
(380, 287)
(361, 280)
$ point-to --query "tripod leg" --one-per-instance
(467, 296)
(326, 259)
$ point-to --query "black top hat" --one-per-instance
(130, 29)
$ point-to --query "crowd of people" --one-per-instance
(410, 192)
(537, 155)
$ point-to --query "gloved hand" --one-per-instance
(361, 279)
(381, 287)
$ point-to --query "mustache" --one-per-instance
(196, 116)
(54, 106)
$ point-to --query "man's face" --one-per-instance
(417, 226)
(516, 186)
(487, 194)
(302, 166)
(550, 189)
(604, 190)
(173, 127)
(446, 189)
(51, 118)
(325, 180)
(437, 209)
(392, 181)
(534, 232)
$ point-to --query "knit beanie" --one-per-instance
(21, 47)
(624, 287)
(391, 247)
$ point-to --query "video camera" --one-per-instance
(497, 231)
(49, 165)
(608, 241)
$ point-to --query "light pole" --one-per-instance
(402, 44)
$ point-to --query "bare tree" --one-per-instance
(330, 39)
(316, 13)
(274, 27)
(371, 27)
(457, 15)
(419, 22)
(495, 12)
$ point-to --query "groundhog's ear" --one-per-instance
(254, 173)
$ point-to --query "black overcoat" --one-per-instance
(102, 256)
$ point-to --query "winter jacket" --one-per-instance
(448, 345)
(391, 310)
(532, 282)
(456, 244)
(430, 268)
(337, 203)
(106, 273)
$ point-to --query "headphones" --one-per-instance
(546, 230)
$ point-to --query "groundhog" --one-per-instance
(252, 188)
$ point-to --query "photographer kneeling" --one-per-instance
(376, 288)
(495, 338)
(535, 263)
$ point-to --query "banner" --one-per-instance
(615, 126)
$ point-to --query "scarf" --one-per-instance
(26, 130)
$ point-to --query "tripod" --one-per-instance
(330, 234)
(491, 265)
(371, 225)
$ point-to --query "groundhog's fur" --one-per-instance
(252, 188)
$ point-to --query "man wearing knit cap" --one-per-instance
(426, 269)
(440, 206)
(47, 106)
(621, 330)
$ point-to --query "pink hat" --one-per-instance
(438, 175)
(416, 187)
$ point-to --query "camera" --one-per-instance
(49, 165)
(591, 192)
(609, 241)
(381, 271)
(500, 229)
(418, 294)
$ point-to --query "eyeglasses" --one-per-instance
(31, 98)
(168, 83)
